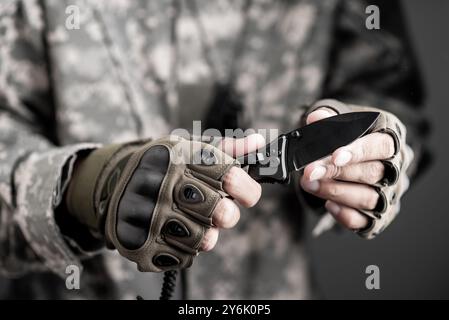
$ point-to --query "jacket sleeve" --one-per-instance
(34, 170)
(377, 68)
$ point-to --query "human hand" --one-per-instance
(363, 182)
(161, 202)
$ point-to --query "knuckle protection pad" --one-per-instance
(166, 258)
(385, 212)
(183, 233)
(196, 198)
(164, 203)
(138, 200)
(213, 166)
(393, 168)
(377, 226)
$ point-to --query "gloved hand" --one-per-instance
(362, 183)
(161, 202)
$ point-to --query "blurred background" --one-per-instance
(413, 254)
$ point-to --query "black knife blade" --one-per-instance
(294, 150)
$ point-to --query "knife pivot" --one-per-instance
(295, 134)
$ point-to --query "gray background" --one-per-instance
(413, 254)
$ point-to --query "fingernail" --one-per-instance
(333, 208)
(324, 113)
(317, 173)
(311, 185)
(319, 114)
(343, 158)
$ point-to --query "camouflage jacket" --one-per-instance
(68, 86)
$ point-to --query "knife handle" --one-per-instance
(268, 165)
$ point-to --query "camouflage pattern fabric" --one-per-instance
(120, 77)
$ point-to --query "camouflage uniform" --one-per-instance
(123, 74)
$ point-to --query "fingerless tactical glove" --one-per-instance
(151, 200)
(395, 181)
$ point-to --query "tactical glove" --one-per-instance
(395, 181)
(151, 200)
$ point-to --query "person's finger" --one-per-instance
(374, 146)
(209, 240)
(240, 147)
(353, 195)
(346, 216)
(239, 185)
(318, 169)
(226, 214)
(369, 172)
(320, 114)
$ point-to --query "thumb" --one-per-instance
(240, 147)
(320, 114)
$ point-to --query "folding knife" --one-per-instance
(293, 151)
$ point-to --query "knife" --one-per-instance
(294, 150)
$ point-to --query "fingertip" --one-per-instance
(320, 114)
(239, 147)
(254, 142)
(239, 185)
(332, 207)
(235, 218)
(308, 171)
(341, 157)
(226, 214)
(310, 186)
(315, 171)
(258, 138)
(210, 239)
(253, 199)
(346, 216)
